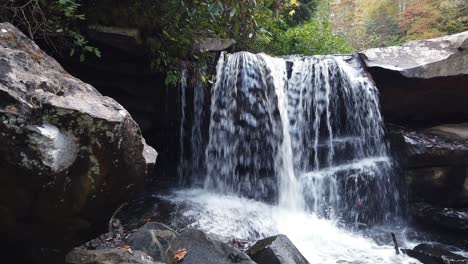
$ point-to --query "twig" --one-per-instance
(111, 220)
(395, 243)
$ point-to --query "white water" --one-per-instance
(311, 143)
(320, 240)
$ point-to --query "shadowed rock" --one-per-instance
(68, 155)
(276, 250)
(107, 256)
(422, 82)
(435, 254)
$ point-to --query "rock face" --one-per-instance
(428, 77)
(442, 218)
(276, 250)
(161, 243)
(434, 163)
(205, 249)
(108, 256)
(440, 57)
(435, 254)
(68, 155)
(154, 239)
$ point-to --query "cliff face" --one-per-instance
(424, 89)
(422, 83)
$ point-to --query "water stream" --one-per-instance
(295, 145)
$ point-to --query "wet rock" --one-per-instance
(434, 162)
(435, 254)
(444, 218)
(206, 249)
(422, 82)
(68, 155)
(107, 256)
(155, 239)
(276, 250)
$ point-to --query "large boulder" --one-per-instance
(441, 218)
(162, 244)
(440, 57)
(435, 254)
(68, 155)
(434, 163)
(205, 249)
(428, 77)
(276, 250)
(155, 239)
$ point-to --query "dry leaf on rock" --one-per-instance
(180, 254)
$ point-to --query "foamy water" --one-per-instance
(306, 134)
(319, 240)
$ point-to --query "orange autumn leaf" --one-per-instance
(109, 238)
(124, 247)
(180, 254)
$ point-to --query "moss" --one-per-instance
(16, 41)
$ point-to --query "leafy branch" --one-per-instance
(55, 23)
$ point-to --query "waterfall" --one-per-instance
(181, 169)
(191, 125)
(292, 145)
(245, 128)
(311, 138)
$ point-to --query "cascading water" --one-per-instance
(191, 167)
(296, 146)
(317, 137)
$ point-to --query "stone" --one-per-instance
(276, 250)
(108, 256)
(443, 218)
(434, 163)
(435, 254)
(216, 44)
(422, 83)
(454, 131)
(206, 249)
(126, 39)
(445, 56)
(155, 239)
(68, 155)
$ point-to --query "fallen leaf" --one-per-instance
(130, 251)
(148, 220)
(180, 254)
(124, 247)
(109, 238)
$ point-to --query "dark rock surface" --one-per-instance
(69, 156)
(435, 254)
(434, 163)
(161, 243)
(422, 82)
(128, 78)
(108, 256)
(206, 249)
(155, 239)
(276, 250)
(441, 218)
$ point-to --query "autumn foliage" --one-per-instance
(375, 23)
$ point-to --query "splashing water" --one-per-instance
(296, 146)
